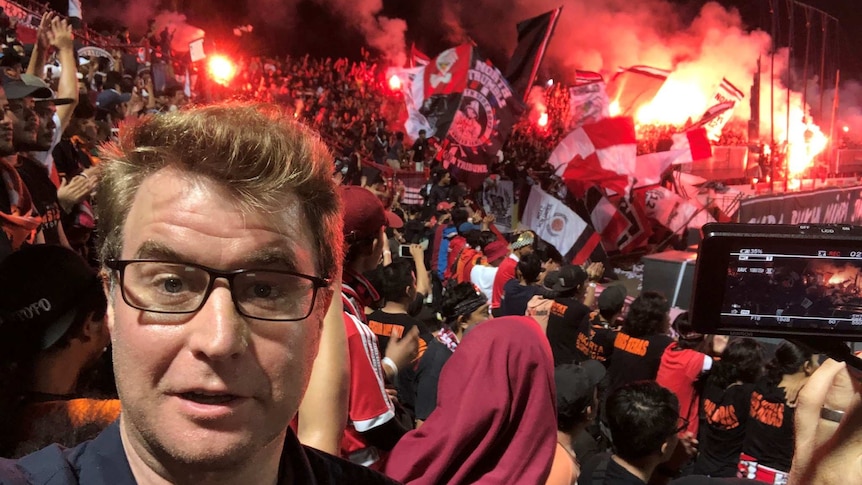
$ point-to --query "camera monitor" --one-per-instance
(797, 282)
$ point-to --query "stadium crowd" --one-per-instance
(165, 296)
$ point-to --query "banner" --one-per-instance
(552, 220)
(588, 103)
(498, 198)
(825, 206)
(640, 229)
(417, 57)
(634, 87)
(481, 124)
(534, 35)
(606, 219)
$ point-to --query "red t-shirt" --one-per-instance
(369, 405)
(505, 272)
(677, 371)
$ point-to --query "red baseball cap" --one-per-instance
(444, 206)
(364, 214)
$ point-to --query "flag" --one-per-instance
(487, 110)
(588, 100)
(552, 220)
(417, 57)
(601, 153)
(634, 87)
(606, 219)
(672, 211)
(725, 99)
(639, 230)
(694, 145)
(534, 35)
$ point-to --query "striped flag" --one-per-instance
(601, 153)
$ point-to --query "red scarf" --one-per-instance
(22, 222)
(448, 338)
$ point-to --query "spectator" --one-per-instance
(522, 246)
(567, 312)
(53, 308)
(725, 409)
(767, 451)
(577, 405)
(596, 333)
(462, 309)
(639, 346)
(483, 274)
(518, 291)
(539, 306)
(372, 429)
(201, 381)
(492, 421)
(682, 369)
(420, 151)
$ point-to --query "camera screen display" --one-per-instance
(794, 288)
(779, 284)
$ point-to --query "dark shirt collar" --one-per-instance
(103, 460)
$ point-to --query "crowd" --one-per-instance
(209, 298)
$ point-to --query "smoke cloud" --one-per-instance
(382, 33)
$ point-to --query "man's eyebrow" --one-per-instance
(157, 250)
(272, 257)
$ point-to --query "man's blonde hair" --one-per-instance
(257, 152)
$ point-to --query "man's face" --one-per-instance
(6, 131)
(45, 135)
(25, 124)
(210, 389)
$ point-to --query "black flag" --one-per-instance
(534, 35)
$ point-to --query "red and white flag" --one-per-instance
(726, 97)
(601, 153)
(606, 219)
(417, 57)
(694, 145)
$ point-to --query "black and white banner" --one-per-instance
(841, 205)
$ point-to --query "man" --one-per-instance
(643, 418)
(420, 151)
(483, 275)
(595, 339)
(571, 306)
(522, 246)
(53, 310)
(577, 406)
(518, 291)
(371, 428)
(26, 134)
(18, 217)
(221, 239)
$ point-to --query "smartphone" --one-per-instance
(404, 251)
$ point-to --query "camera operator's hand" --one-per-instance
(829, 452)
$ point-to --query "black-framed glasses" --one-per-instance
(180, 288)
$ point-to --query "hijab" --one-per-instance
(495, 416)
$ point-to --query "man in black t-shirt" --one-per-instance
(566, 314)
(420, 150)
(595, 339)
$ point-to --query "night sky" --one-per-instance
(315, 30)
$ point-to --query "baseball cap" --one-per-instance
(524, 239)
(444, 206)
(612, 297)
(576, 383)
(466, 227)
(16, 88)
(35, 82)
(41, 288)
(551, 279)
(364, 214)
(571, 277)
(109, 99)
(496, 250)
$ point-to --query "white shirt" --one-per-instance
(483, 278)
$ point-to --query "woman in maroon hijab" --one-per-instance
(494, 421)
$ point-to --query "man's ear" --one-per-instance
(109, 312)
